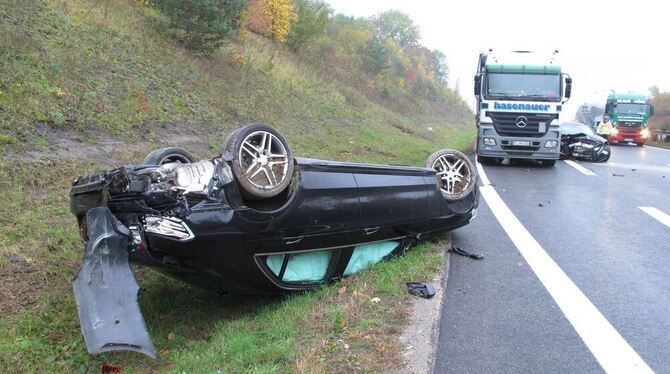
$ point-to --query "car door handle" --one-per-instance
(293, 240)
(371, 230)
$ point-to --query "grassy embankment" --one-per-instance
(80, 77)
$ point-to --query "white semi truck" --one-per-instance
(520, 96)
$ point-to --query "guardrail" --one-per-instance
(661, 136)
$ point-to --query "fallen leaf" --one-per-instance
(170, 336)
(342, 290)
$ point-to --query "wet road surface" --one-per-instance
(576, 275)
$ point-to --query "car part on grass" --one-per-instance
(201, 223)
(421, 289)
(105, 290)
(578, 141)
(462, 252)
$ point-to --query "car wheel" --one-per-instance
(456, 174)
(261, 161)
(168, 155)
(640, 144)
(548, 163)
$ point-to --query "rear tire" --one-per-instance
(456, 174)
(261, 161)
(168, 155)
(640, 144)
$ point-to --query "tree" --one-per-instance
(312, 22)
(397, 26)
(201, 25)
(271, 18)
(353, 40)
(437, 62)
(376, 55)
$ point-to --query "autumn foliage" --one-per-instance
(271, 18)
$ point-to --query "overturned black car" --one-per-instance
(580, 142)
(253, 219)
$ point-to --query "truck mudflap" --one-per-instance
(106, 291)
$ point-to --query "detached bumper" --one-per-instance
(105, 290)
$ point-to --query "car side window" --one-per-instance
(369, 254)
(300, 267)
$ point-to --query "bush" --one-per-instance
(201, 25)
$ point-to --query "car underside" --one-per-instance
(254, 219)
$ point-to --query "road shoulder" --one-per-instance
(420, 337)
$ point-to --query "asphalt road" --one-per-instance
(508, 313)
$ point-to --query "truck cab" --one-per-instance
(520, 96)
(629, 114)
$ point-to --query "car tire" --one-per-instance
(548, 163)
(261, 161)
(168, 155)
(457, 175)
(640, 144)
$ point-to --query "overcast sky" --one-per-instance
(603, 45)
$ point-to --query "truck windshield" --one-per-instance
(524, 85)
(626, 108)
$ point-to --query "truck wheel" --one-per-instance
(168, 155)
(487, 160)
(456, 174)
(262, 161)
(548, 163)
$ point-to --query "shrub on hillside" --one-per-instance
(201, 25)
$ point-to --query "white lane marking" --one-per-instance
(579, 167)
(657, 214)
(611, 350)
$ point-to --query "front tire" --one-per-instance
(640, 144)
(548, 163)
(456, 174)
(168, 155)
(487, 160)
(261, 161)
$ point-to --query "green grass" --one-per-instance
(89, 72)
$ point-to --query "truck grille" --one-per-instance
(629, 124)
(628, 133)
(505, 123)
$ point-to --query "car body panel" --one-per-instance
(106, 290)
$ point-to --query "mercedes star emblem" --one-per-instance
(521, 121)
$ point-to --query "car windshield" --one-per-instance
(626, 108)
(524, 85)
(576, 128)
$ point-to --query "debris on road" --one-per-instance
(421, 289)
(461, 252)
